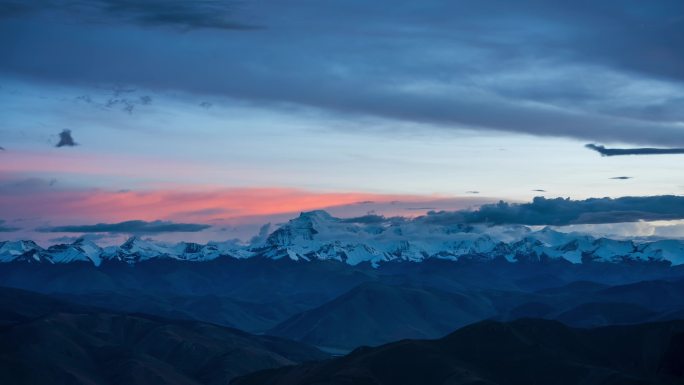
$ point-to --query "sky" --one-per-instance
(230, 114)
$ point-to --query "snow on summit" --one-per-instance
(316, 235)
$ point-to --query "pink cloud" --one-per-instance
(94, 205)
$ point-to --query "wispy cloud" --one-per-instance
(633, 151)
(366, 219)
(216, 14)
(621, 177)
(129, 227)
(192, 14)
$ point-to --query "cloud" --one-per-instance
(120, 98)
(6, 229)
(360, 59)
(2, 148)
(206, 212)
(366, 219)
(560, 212)
(259, 238)
(622, 177)
(633, 151)
(472, 192)
(35, 197)
(187, 14)
(90, 237)
(183, 14)
(539, 190)
(22, 187)
(129, 227)
(65, 139)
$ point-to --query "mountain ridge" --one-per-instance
(317, 235)
(46, 340)
(521, 352)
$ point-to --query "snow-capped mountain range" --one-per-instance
(317, 235)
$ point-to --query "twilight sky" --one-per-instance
(234, 113)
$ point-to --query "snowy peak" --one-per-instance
(668, 250)
(81, 250)
(373, 239)
(611, 250)
(316, 235)
(13, 250)
(136, 244)
(195, 252)
(302, 228)
(315, 216)
(136, 249)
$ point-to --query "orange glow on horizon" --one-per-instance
(197, 206)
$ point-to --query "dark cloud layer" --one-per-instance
(546, 68)
(559, 211)
(634, 151)
(129, 227)
(185, 14)
(6, 229)
(65, 139)
(90, 237)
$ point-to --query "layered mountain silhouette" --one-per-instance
(145, 312)
(46, 341)
(374, 313)
(523, 352)
(338, 306)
